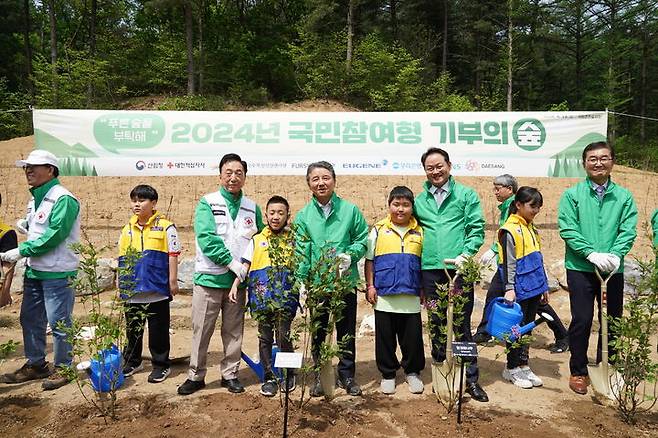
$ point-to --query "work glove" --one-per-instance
(599, 260)
(345, 261)
(22, 226)
(11, 256)
(487, 257)
(459, 260)
(238, 269)
(613, 262)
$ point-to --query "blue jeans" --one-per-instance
(46, 301)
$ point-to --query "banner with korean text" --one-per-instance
(117, 143)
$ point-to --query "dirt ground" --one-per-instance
(155, 410)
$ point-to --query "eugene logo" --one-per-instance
(529, 134)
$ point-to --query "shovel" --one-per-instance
(601, 374)
(444, 374)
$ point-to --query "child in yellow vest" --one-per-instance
(393, 281)
(273, 305)
(154, 283)
(521, 268)
(8, 240)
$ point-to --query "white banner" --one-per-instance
(117, 143)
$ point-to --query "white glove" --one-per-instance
(11, 256)
(600, 260)
(344, 264)
(487, 257)
(613, 262)
(22, 226)
(238, 269)
(459, 260)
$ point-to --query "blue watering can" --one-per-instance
(504, 318)
(257, 367)
(105, 373)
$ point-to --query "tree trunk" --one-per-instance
(444, 55)
(201, 65)
(27, 27)
(92, 48)
(350, 34)
(189, 39)
(394, 18)
(53, 50)
(643, 87)
(509, 55)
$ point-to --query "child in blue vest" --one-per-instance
(393, 280)
(521, 269)
(271, 300)
(153, 284)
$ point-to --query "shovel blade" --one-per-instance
(328, 380)
(445, 379)
(605, 382)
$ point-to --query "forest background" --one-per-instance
(375, 55)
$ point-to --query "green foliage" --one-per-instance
(381, 78)
(68, 86)
(7, 348)
(106, 319)
(15, 117)
(629, 151)
(194, 102)
(635, 392)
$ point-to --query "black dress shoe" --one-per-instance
(349, 385)
(481, 337)
(233, 385)
(476, 392)
(191, 386)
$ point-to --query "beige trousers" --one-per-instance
(207, 303)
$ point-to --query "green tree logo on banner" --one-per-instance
(529, 134)
(124, 130)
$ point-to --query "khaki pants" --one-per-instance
(207, 302)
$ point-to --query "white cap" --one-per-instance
(38, 157)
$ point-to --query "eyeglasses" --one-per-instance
(430, 169)
(602, 160)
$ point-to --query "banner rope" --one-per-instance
(634, 116)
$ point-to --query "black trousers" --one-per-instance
(585, 288)
(345, 327)
(157, 315)
(518, 356)
(430, 279)
(266, 332)
(497, 289)
(405, 329)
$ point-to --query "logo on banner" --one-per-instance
(472, 166)
(529, 134)
(140, 165)
(125, 130)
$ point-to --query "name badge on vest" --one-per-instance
(156, 228)
(41, 217)
(219, 212)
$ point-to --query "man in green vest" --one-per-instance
(52, 224)
(224, 222)
(597, 220)
(452, 219)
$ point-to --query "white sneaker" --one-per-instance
(387, 386)
(536, 381)
(416, 385)
(517, 376)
